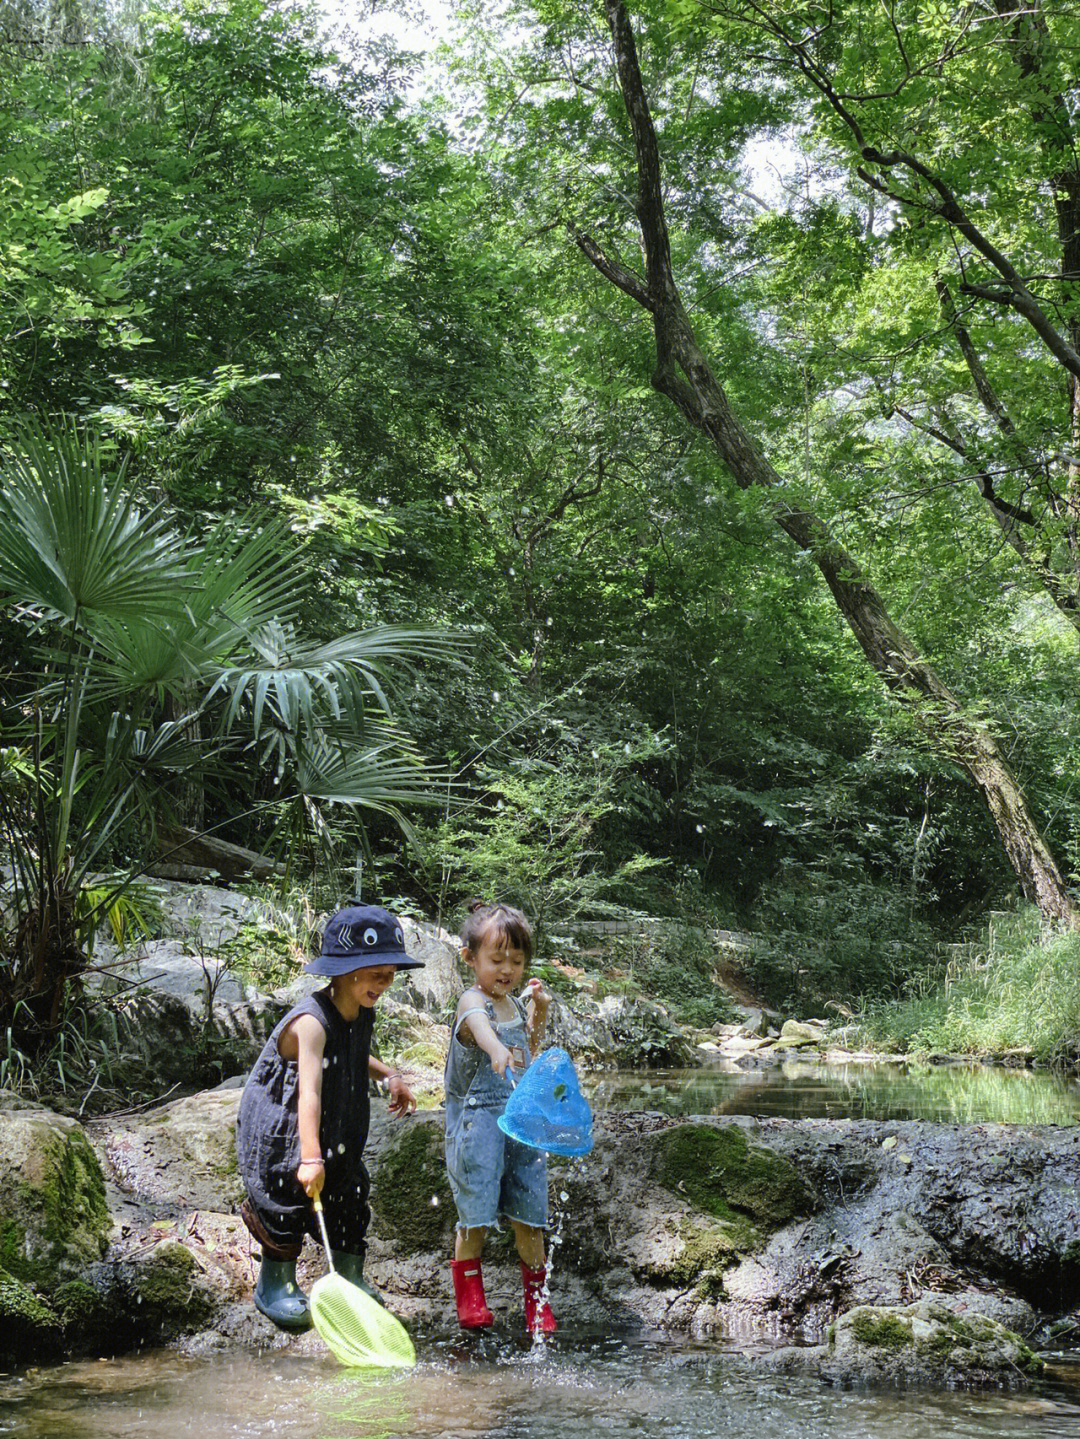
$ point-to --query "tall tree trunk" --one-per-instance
(683, 373)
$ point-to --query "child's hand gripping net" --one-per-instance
(547, 1109)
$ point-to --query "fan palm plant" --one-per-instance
(126, 614)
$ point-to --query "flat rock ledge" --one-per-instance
(860, 1251)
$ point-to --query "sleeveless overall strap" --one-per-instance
(487, 1009)
(476, 1009)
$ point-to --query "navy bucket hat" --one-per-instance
(359, 937)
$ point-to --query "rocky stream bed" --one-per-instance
(855, 1250)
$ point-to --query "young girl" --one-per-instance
(304, 1113)
(491, 1174)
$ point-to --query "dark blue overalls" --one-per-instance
(268, 1135)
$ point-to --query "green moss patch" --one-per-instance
(707, 1250)
(963, 1342)
(76, 1211)
(28, 1326)
(12, 1246)
(79, 1305)
(741, 1193)
(880, 1331)
(720, 1173)
(56, 1210)
(411, 1195)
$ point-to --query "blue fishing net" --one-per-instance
(547, 1109)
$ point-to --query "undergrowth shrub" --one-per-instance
(271, 949)
(677, 965)
(832, 933)
(1019, 990)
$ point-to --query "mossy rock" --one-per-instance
(29, 1327)
(170, 1294)
(81, 1308)
(795, 1035)
(720, 1173)
(737, 1194)
(962, 1340)
(707, 1250)
(56, 1216)
(927, 1343)
(411, 1198)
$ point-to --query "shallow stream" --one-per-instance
(805, 1089)
(584, 1385)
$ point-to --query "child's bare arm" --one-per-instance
(304, 1041)
(482, 1031)
(536, 1014)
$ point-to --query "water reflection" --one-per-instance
(804, 1089)
(596, 1386)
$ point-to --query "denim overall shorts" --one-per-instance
(490, 1174)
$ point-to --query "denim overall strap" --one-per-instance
(488, 1009)
(469, 1075)
(486, 1088)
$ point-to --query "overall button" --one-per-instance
(472, 1103)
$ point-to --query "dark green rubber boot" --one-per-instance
(351, 1267)
(278, 1296)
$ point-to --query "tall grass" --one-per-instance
(1018, 990)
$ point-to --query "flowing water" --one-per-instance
(579, 1384)
(805, 1089)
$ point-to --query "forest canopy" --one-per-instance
(706, 374)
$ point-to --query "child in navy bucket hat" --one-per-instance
(304, 1113)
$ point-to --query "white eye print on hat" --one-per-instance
(371, 936)
(399, 936)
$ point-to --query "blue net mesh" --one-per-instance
(547, 1110)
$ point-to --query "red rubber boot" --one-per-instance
(472, 1310)
(538, 1315)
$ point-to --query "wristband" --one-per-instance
(317, 1160)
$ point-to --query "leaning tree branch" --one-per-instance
(1009, 518)
(631, 284)
(1065, 599)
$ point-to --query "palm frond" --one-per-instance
(378, 777)
(73, 542)
(132, 765)
(241, 581)
(294, 683)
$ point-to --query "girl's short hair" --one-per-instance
(511, 929)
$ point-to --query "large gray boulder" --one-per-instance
(55, 1219)
(185, 1015)
(638, 1031)
(800, 1034)
(437, 986)
(54, 1229)
(177, 968)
